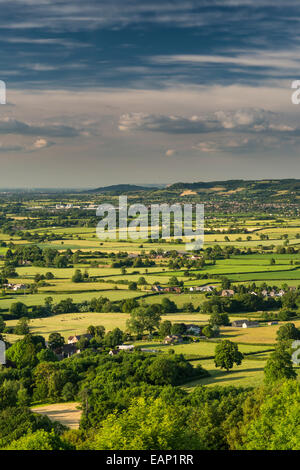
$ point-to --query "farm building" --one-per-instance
(244, 324)
(154, 351)
(125, 347)
(203, 288)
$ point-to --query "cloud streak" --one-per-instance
(10, 125)
(240, 120)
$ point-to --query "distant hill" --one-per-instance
(274, 191)
(272, 184)
(121, 188)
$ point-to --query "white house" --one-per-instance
(125, 347)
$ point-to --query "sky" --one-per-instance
(148, 92)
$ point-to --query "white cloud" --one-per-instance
(253, 120)
(170, 152)
(41, 143)
(284, 59)
(238, 144)
(167, 123)
(206, 147)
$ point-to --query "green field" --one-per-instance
(109, 282)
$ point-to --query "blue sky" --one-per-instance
(133, 91)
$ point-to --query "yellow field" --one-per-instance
(261, 334)
(77, 323)
(66, 413)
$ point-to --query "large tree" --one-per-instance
(143, 318)
(279, 365)
(287, 332)
(227, 354)
(55, 341)
(18, 309)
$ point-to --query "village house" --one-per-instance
(238, 323)
(195, 289)
(157, 288)
(176, 290)
(273, 293)
(281, 293)
(68, 350)
(193, 329)
(203, 288)
(250, 324)
(15, 287)
(113, 352)
(227, 293)
(171, 339)
(76, 338)
(19, 287)
(208, 288)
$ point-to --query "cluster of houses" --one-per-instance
(231, 292)
(15, 287)
(182, 254)
(273, 293)
(60, 207)
(211, 289)
(71, 348)
(175, 290)
(172, 339)
(191, 330)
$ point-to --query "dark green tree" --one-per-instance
(227, 354)
(279, 366)
(55, 341)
